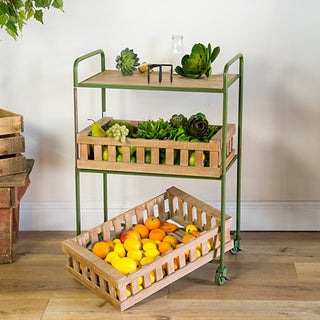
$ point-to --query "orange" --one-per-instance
(168, 227)
(196, 233)
(152, 223)
(101, 249)
(157, 234)
(165, 246)
(176, 263)
(171, 239)
(187, 237)
(142, 230)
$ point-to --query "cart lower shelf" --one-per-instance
(173, 205)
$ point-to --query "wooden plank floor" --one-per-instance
(276, 276)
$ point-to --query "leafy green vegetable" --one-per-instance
(198, 126)
(198, 62)
(151, 129)
(178, 120)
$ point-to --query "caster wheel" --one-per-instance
(220, 277)
(236, 247)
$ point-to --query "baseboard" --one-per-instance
(273, 215)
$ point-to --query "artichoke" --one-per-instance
(198, 126)
(198, 62)
(127, 61)
(177, 121)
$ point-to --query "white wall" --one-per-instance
(280, 43)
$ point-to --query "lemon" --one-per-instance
(140, 280)
(114, 260)
(190, 228)
(110, 256)
(145, 260)
(209, 245)
(149, 246)
(128, 291)
(126, 265)
(152, 253)
(119, 250)
(152, 276)
(135, 254)
(132, 244)
(140, 287)
(116, 240)
(199, 254)
(146, 240)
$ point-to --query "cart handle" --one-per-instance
(86, 56)
(239, 57)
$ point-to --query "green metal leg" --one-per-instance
(78, 219)
(236, 235)
(105, 197)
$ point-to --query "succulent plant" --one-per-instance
(127, 61)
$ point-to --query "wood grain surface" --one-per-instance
(276, 276)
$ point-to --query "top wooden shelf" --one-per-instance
(138, 81)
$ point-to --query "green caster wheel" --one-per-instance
(220, 277)
(236, 247)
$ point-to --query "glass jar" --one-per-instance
(176, 50)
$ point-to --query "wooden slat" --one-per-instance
(184, 158)
(12, 145)
(115, 78)
(10, 122)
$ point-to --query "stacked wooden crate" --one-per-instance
(11, 143)
(14, 180)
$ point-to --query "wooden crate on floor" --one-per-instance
(173, 205)
(212, 149)
(12, 189)
(12, 144)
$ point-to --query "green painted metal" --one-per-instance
(84, 57)
(221, 270)
(78, 217)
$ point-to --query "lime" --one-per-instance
(119, 158)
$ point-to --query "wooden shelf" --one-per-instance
(138, 81)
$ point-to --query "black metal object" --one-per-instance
(160, 65)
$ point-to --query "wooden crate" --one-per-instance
(173, 205)
(12, 189)
(12, 144)
(213, 148)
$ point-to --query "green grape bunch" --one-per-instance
(118, 132)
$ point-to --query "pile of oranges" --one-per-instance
(142, 244)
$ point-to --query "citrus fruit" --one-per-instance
(187, 237)
(152, 253)
(114, 260)
(146, 240)
(176, 263)
(168, 227)
(110, 243)
(132, 243)
(145, 260)
(152, 276)
(110, 256)
(135, 254)
(152, 223)
(171, 239)
(101, 249)
(142, 230)
(199, 254)
(126, 265)
(165, 246)
(157, 234)
(116, 241)
(149, 245)
(190, 228)
(120, 250)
